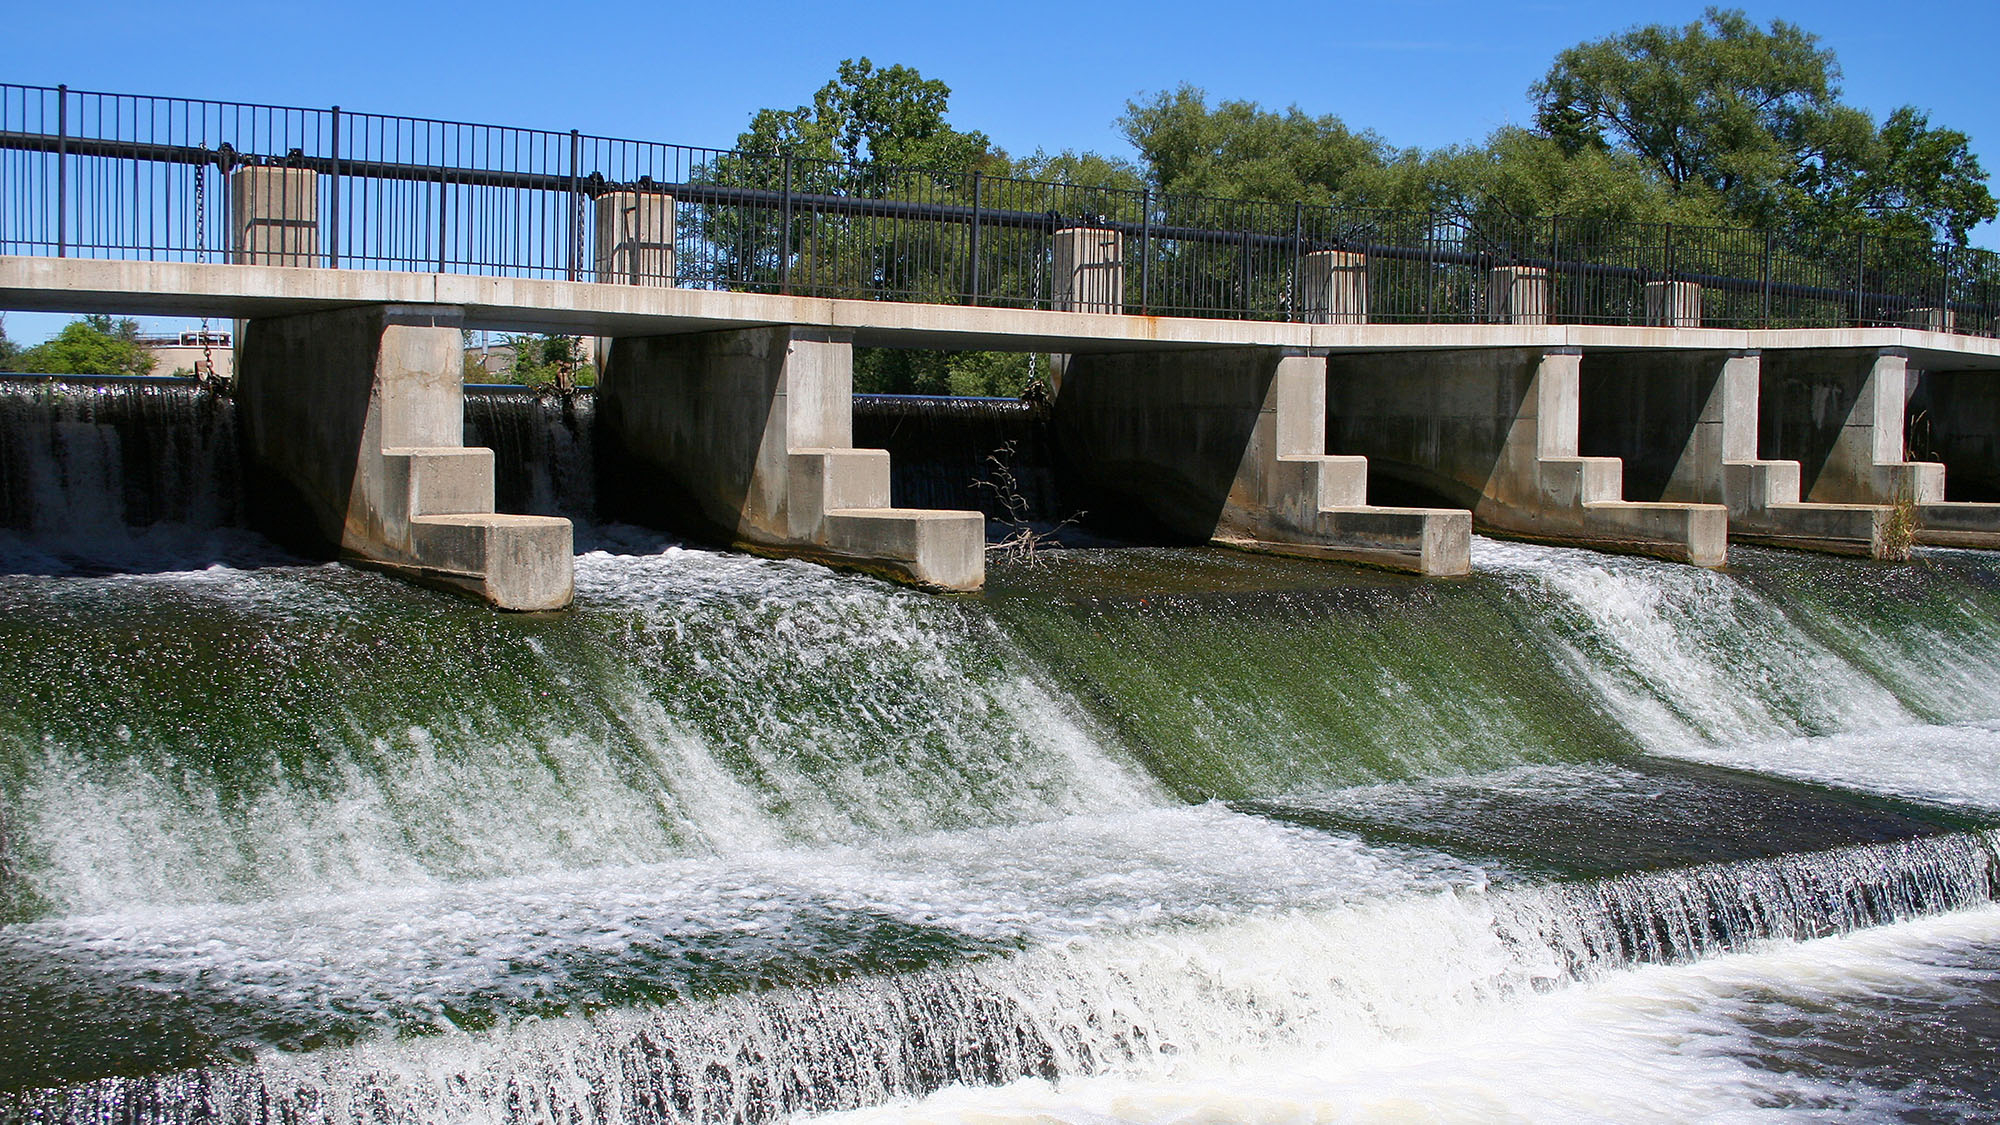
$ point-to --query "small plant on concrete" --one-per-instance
(1899, 534)
(1023, 543)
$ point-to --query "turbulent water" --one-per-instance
(1138, 835)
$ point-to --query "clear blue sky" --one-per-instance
(1030, 74)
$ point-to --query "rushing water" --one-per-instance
(1137, 835)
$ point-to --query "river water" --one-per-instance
(1146, 835)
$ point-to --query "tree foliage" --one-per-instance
(548, 360)
(1240, 150)
(94, 345)
(1751, 116)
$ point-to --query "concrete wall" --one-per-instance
(1497, 431)
(1955, 420)
(1842, 414)
(353, 425)
(274, 216)
(748, 435)
(1230, 445)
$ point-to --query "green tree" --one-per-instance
(1240, 150)
(549, 360)
(1751, 116)
(8, 349)
(95, 345)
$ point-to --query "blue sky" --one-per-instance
(1030, 74)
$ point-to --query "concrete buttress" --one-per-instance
(749, 433)
(354, 424)
(1497, 430)
(1229, 445)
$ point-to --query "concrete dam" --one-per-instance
(1552, 823)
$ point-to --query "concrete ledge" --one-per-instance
(1839, 529)
(1434, 542)
(515, 562)
(942, 550)
(1953, 524)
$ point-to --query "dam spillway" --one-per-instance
(1136, 833)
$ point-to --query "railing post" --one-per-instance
(1860, 269)
(1557, 273)
(333, 198)
(978, 201)
(1770, 252)
(785, 233)
(575, 247)
(444, 215)
(1298, 257)
(62, 171)
(1246, 273)
(1145, 251)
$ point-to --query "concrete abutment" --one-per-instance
(354, 425)
(1684, 425)
(1229, 445)
(1497, 430)
(1844, 415)
(749, 434)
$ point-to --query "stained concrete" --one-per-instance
(353, 425)
(749, 436)
(1230, 446)
(1496, 430)
(1844, 414)
(1684, 425)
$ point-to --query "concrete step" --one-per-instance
(944, 550)
(515, 562)
(1957, 524)
(439, 480)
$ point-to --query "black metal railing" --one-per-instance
(98, 175)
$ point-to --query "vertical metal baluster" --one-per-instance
(575, 248)
(62, 171)
(978, 204)
(1146, 251)
(785, 233)
(333, 200)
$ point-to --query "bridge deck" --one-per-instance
(585, 308)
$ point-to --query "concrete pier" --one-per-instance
(1684, 425)
(749, 434)
(1229, 445)
(354, 423)
(1843, 413)
(1497, 430)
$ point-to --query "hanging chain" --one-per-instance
(206, 372)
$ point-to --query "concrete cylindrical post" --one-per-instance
(1673, 304)
(1333, 287)
(1517, 295)
(635, 238)
(274, 216)
(1089, 270)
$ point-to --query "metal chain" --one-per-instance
(207, 372)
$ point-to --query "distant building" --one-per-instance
(187, 353)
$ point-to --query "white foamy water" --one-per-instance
(332, 733)
(1657, 1044)
(1957, 764)
(1687, 657)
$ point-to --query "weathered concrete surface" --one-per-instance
(274, 215)
(1843, 413)
(80, 285)
(1517, 295)
(1333, 287)
(1955, 420)
(1496, 430)
(634, 238)
(1684, 425)
(750, 434)
(354, 423)
(1230, 446)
